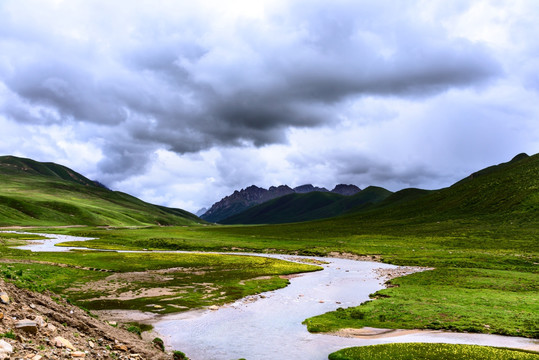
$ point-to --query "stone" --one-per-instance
(39, 321)
(120, 347)
(91, 344)
(113, 323)
(37, 357)
(61, 342)
(78, 354)
(214, 307)
(51, 327)
(4, 299)
(5, 349)
(1, 315)
(28, 326)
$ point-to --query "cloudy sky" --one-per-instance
(182, 102)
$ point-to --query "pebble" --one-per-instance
(1, 315)
(4, 299)
(78, 354)
(39, 321)
(214, 307)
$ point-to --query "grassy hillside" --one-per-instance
(306, 207)
(34, 193)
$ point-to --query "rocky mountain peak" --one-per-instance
(347, 190)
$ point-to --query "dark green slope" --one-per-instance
(508, 190)
(305, 207)
(500, 197)
(34, 193)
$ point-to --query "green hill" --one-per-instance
(494, 199)
(310, 206)
(35, 193)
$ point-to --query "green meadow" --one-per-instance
(157, 282)
(419, 351)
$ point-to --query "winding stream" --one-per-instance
(269, 326)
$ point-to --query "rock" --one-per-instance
(61, 342)
(28, 326)
(91, 344)
(51, 327)
(39, 321)
(78, 354)
(37, 357)
(113, 323)
(120, 347)
(4, 299)
(5, 349)
(1, 315)
(214, 307)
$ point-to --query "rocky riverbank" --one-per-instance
(41, 326)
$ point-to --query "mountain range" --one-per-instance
(464, 196)
(253, 195)
(47, 194)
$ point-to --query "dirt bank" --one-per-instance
(42, 326)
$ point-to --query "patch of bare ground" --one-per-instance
(388, 274)
(350, 256)
(40, 326)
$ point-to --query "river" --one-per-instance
(269, 326)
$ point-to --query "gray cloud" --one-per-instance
(169, 88)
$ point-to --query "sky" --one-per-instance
(181, 102)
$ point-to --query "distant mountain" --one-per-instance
(307, 188)
(347, 190)
(201, 211)
(36, 193)
(242, 200)
(246, 198)
(308, 206)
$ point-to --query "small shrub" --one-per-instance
(158, 342)
(134, 329)
(178, 355)
(357, 314)
(8, 334)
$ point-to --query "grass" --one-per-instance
(194, 280)
(422, 351)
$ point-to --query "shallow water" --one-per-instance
(259, 328)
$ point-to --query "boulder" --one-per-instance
(5, 350)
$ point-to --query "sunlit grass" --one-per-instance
(423, 351)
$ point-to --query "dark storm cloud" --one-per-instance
(185, 91)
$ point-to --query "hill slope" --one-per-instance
(305, 207)
(35, 193)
